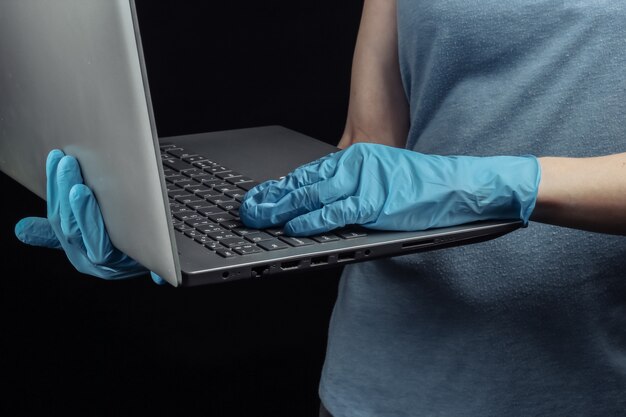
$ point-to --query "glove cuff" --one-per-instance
(528, 193)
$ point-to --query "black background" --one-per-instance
(74, 343)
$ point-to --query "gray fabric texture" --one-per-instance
(529, 324)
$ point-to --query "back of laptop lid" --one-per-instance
(71, 78)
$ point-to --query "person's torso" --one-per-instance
(534, 322)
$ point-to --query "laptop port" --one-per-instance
(319, 260)
(260, 271)
(346, 256)
(285, 266)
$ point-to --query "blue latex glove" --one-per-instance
(75, 225)
(386, 188)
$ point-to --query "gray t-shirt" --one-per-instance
(529, 324)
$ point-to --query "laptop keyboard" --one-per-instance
(204, 199)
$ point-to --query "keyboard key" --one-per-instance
(193, 158)
(297, 241)
(171, 148)
(221, 217)
(215, 169)
(185, 183)
(247, 249)
(225, 253)
(231, 224)
(230, 205)
(222, 234)
(185, 214)
(192, 233)
(197, 204)
(178, 152)
(275, 231)
(205, 211)
(182, 227)
(231, 242)
(177, 164)
(201, 177)
(207, 193)
(195, 187)
(201, 238)
(325, 238)
(185, 198)
(213, 245)
(350, 234)
(219, 199)
(210, 181)
(193, 171)
(239, 180)
(221, 184)
(173, 178)
(243, 231)
(228, 174)
(177, 208)
(166, 145)
(274, 244)
(258, 237)
(177, 192)
(197, 221)
(204, 164)
(235, 194)
(247, 186)
(209, 228)
(225, 187)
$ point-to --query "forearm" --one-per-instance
(377, 111)
(583, 193)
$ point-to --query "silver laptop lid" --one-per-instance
(72, 77)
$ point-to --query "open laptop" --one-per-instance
(72, 76)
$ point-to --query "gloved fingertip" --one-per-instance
(68, 164)
(68, 173)
(295, 227)
(36, 231)
(247, 220)
(243, 213)
(55, 154)
(246, 214)
(52, 161)
(255, 190)
(80, 192)
(20, 228)
(157, 279)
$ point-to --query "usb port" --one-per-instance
(319, 260)
(289, 265)
(347, 256)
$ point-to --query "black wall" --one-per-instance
(73, 343)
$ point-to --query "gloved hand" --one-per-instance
(75, 225)
(386, 188)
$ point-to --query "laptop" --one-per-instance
(73, 77)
